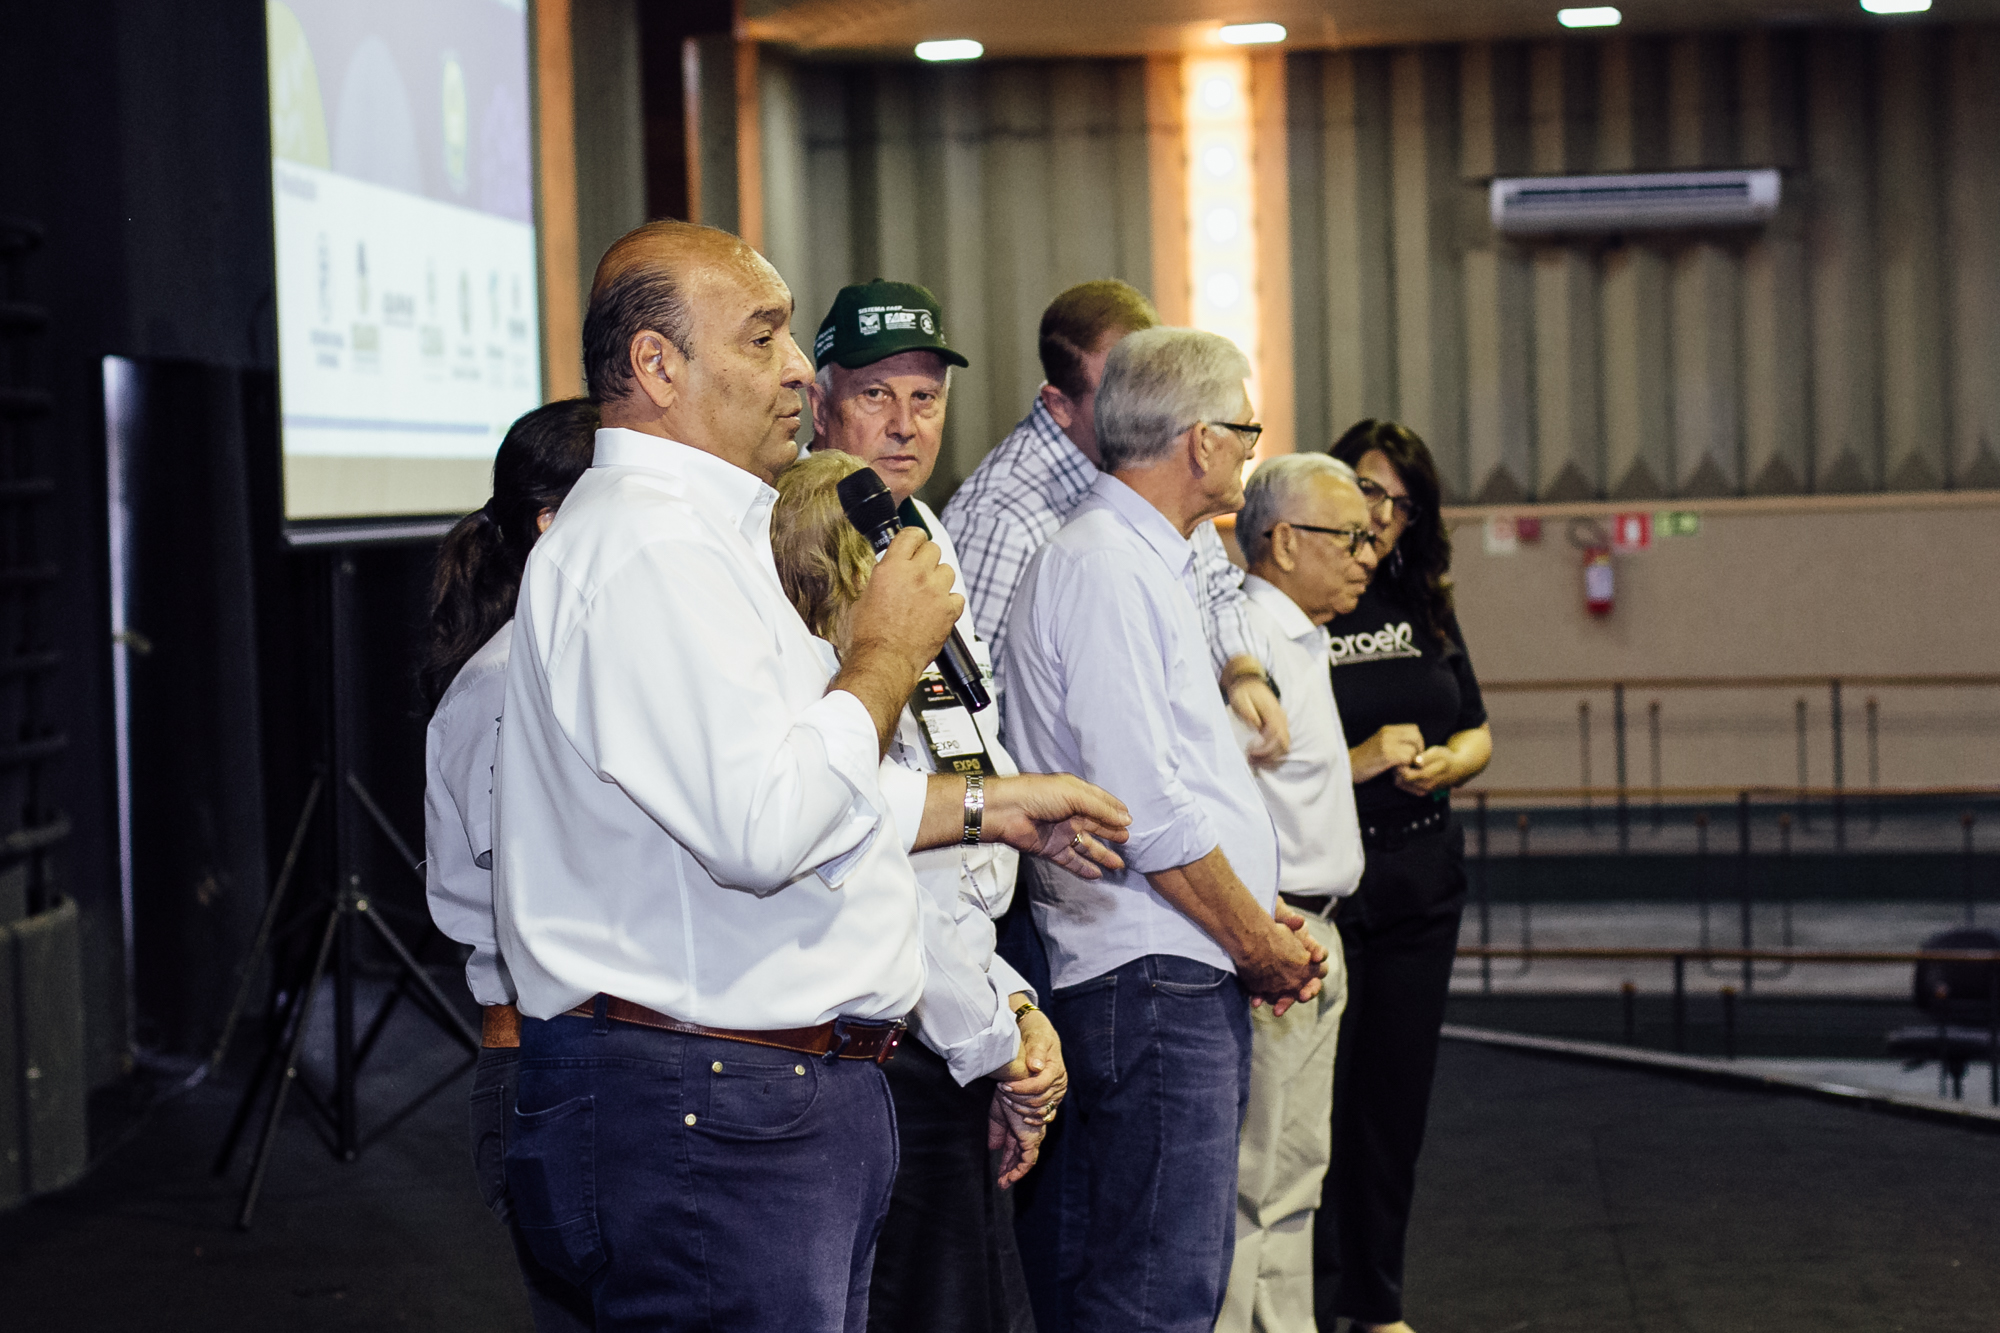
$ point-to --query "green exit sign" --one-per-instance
(1677, 522)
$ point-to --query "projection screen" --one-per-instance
(403, 192)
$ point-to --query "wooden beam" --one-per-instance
(1274, 254)
(1166, 187)
(749, 147)
(555, 170)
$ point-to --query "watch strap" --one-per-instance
(975, 808)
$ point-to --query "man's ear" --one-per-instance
(659, 368)
(819, 404)
(1059, 405)
(1201, 450)
(1283, 548)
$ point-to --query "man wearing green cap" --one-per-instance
(884, 371)
(884, 375)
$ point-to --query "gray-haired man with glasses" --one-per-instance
(1305, 531)
(1154, 966)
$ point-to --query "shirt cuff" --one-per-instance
(1009, 982)
(1234, 638)
(904, 791)
(486, 976)
(853, 747)
(1185, 837)
(981, 1053)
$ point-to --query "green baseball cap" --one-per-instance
(873, 320)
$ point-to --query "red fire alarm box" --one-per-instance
(1631, 532)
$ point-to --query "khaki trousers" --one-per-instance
(1287, 1141)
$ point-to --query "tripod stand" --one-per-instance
(346, 907)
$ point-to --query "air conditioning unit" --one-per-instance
(1541, 205)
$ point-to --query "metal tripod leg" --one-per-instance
(460, 1027)
(263, 941)
(290, 1072)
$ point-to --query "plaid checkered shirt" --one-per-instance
(1022, 493)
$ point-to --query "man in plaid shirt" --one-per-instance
(1027, 487)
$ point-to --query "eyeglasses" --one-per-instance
(1376, 496)
(1248, 431)
(1352, 538)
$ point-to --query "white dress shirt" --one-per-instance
(686, 817)
(458, 814)
(975, 885)
(1024, 490)
(1111, 680)
(1310, 792)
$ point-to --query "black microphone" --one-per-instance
(872, 510)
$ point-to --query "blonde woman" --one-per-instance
(947, 1258)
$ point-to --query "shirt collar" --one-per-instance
(739, 498)
(1293, 622)
(1175, 551)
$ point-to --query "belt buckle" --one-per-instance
(891, 1042)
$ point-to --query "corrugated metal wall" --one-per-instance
(1852, 345)
(996, 186)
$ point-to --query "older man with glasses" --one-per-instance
(1305, 531)
(1156, 965)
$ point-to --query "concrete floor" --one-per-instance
(395, 1240)
(1553, 1196)
(1561, 1197)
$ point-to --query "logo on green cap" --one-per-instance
(871, 321)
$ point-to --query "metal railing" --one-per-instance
(1836, 687)
(1680, 958)
(1701, 870)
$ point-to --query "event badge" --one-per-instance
(949, 731)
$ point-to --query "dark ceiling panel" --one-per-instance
(1133, 27)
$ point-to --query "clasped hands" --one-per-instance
(1399, 747)
(1028, 1090)
(1286, 967)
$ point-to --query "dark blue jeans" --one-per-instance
(1159, 1066)
(557, 1306)
(692, 1183)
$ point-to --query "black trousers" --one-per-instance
(1400, 934)
(946, 1261)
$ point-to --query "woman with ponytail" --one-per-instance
(464, 679)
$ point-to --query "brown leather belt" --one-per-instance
(845, 1038)
(499, 1027)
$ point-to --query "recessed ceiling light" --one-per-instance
(1895, 6)
(1253, 34)
(1599, 16)
(958, 48)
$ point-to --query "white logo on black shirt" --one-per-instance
(1385, 643)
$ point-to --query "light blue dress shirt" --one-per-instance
(1110, 678)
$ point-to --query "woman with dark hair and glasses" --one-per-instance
(464, 680)
(1404, 682)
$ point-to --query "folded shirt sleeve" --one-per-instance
(963, 1014)
(904, 791)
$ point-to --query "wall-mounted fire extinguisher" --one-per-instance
(1599, 583)
(1599, 575)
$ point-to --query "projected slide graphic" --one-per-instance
(402, 186)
